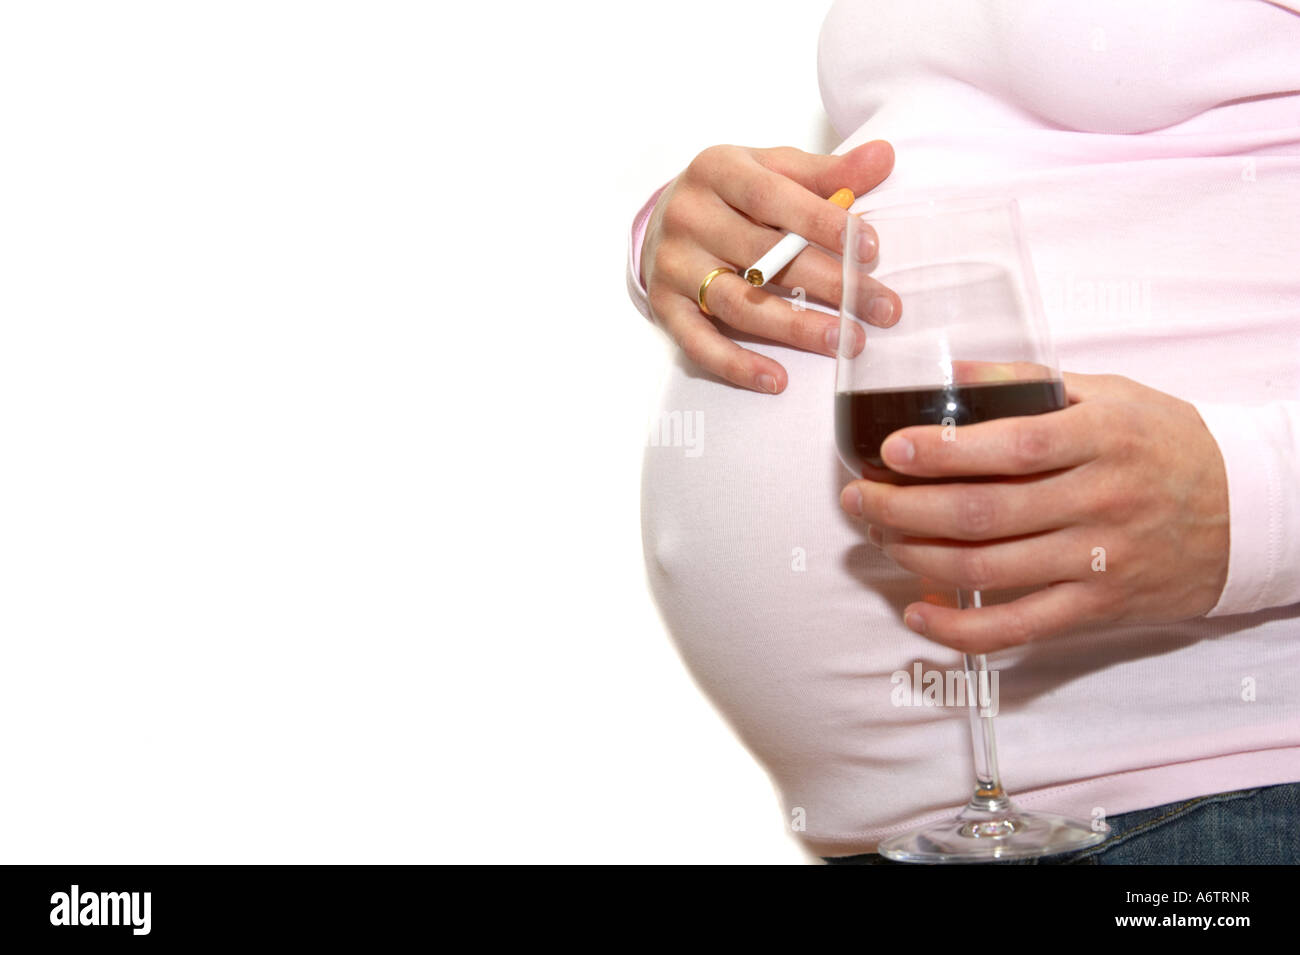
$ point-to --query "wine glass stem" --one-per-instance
(989, 795)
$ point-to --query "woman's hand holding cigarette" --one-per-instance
(729, 207)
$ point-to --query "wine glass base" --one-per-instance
(977, 838)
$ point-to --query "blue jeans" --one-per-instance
(1246, 827)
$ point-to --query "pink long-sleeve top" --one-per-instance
(1155, 152)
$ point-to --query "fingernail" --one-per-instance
(898, 451)
(853, 500)
(882, 311)
(767, 383)
(915, 622)
(875, 536)
(867, 248)
(833, 338)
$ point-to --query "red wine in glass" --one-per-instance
(864, 419)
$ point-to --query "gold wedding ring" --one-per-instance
(704, 286)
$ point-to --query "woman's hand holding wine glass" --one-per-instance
(1116, 507)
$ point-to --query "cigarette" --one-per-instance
(780, 255)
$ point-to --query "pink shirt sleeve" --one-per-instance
(635, 288)
(1261, 453)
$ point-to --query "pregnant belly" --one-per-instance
(789, 620)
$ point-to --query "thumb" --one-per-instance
(860, 169)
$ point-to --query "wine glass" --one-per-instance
(969, 343)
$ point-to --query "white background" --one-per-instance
(322, 405)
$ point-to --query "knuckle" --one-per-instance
(1109, 501)
(834, 285)
(677, 215)
(668, 258)
(888, 511)
(807, 331)
(1099, 499)
(1018, 626)
(975, 571)
(757, 195)
(976, 513)
(781, 153)
(736, 370)
(828, 224)
(707, 161)
(1033, 444)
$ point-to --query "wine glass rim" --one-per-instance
(917, 208)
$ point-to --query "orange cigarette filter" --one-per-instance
(843, 198)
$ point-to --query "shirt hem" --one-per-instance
(1114, 794)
